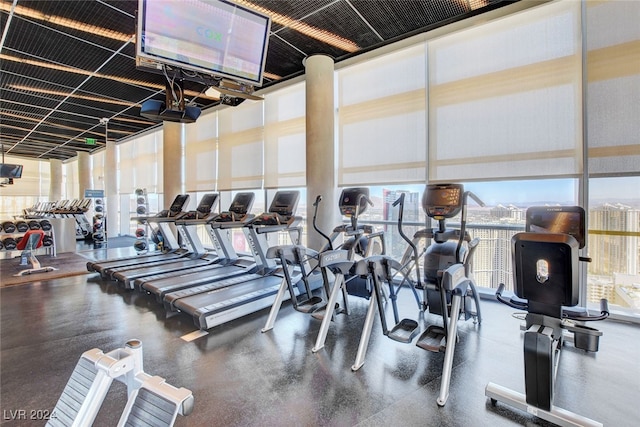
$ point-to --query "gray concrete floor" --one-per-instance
(242, 377)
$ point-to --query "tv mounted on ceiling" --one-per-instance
(10, 171)
(209, 37)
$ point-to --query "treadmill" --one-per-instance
(197, 255)
(228, 264)
(225, 300)
(173, 251)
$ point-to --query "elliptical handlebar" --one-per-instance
(604, 313)
(510, 302)
(354, 217)
(474, 197)
(566, 313)
(315, 225)
(400, 201)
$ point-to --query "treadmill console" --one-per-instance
(240, 207)
(176, 207)
(354, 201)
(206, 205)
(557, 219)
(441, 201)
(282, 209)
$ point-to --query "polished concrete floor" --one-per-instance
(242, 377)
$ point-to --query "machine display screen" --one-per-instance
(242, 203)
(179, 202)
(557, 219)
(285, 202)
(443, 200)
(349, 200)
(207, 202)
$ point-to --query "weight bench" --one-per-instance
(31, 241)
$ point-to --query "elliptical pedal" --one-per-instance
(313, 304)
(433, 339)
(405, 331)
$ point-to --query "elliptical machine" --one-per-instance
(546, 277)
(333, 264)
(447, 288)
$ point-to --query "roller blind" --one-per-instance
(97, 169)
(125, 158)
(70, 172)
(35, 178)
(240, 146)
(505, 98)
(201, 156)
(147, 151)
(140, 163)
(613, 89)
(285, 138)
(382, 120)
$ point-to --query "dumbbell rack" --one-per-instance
(142, 209)
(11, 231)
(99, 233)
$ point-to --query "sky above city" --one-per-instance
(563, 191)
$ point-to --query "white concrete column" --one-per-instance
(84, 173)
(172, 162)
(320, 131)
(55, 186)
(111, 189)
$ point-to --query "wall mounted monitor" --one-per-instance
(211, 37)
(10, 171)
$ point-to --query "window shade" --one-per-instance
(613, 90)
(140, 163)
(505, 98)
(285, 138)
(381, 120)
(35, 179)
(148, 155)
(97, 169)
(240, 146)
(201, 156)
(70, 172)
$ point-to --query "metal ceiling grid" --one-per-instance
(58, 81)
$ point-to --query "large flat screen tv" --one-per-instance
(10, 171)
(211, 37)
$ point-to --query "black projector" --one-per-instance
(157, 111)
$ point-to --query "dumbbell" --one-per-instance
(9, 227)
(45, 225)
(22, 226)
(98, 236)
(18, 239)
(141, 200)
(9, 243)
(1, 245)
(139, 191)
(47, 241)
(99, 208)
(1, 228)
(141, 210)
(98, 201)
(34, 225)
(140, 232)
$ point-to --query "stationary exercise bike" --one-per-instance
(448, 289)
(546, 276)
